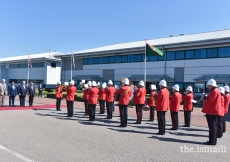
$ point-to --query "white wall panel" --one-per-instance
(190, 78)
(170, 71)
(21, 73)
(208, 62)
(207, 70)
(179, 63)
(100, 66)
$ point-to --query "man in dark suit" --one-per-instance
(31, 93)
(40, 88)
(22, 93)
(12, 92)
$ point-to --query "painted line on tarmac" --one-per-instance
(16, 154)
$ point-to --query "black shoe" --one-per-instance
(207, 143)
(136, 123)
(151, 120)
(160, 133)
(186, 125)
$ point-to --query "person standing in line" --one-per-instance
(212, 109)
(152, 103)
(221, 116)
(12, 92)
(109, 92)
(226, 105)
(102, 98)
(58, 95)
(40, 88)
(85, 98)
(71, 89)
(31, 93)
(125, 92)
(93, 92)
(3, 93)
(188, 106)
(22, 93)
(175, 101)
(162, 105)
(18, 88)
(139, 100)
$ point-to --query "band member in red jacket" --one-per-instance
(162, 105)
(139, 100)
(71, 89)
(221, 116)
(102, 98)
(226, 105)
(212, 108)
(188, 105)
(86, 97)
(93, 92)
(125, 92)
(152, 103)
(175, 101)
(58, 95)
(109, 99)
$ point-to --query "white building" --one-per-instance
(189, 60)
(45, 68)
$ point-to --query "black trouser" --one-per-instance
(212, 125)
(219, 127)
(224, 124)
(11, 100)
(187, 118)
(58, 103)
(22, 100)
(109, 109)
(31, 99)
(86, 107)
(123, 115)
(174, 117)
(70, 108)
(139, 113)
(152, 108)
(113, 107)
(39, 93)
(161, 122)
(102, 106)
(92, 108)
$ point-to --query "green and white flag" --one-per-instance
(153, 51)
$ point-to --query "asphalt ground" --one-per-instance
(48, 135)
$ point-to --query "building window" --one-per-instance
(199, 88)
(212, 52)
(100, 60)
(111, 59)
(117, 59)
(190, 54)
(95, 60)
(124, 58)
(53, 64)
(201, 53)
(137, 58)
(160, 58)
(170, 56)
(90, 61)
(179, 55)
(224, 52)
(151, 58)
(85, 61)
(130, 58)
(106, 60)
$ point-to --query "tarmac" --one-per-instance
(48, 135)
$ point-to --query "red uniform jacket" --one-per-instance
(139, 97)
(162, 100)
(222, 105)
(93, 92)
(58, 91)
(102, 94)
(151, 99)
(70, 93)
(187, 101)
(212, 104)
(175, 102)
(86, 94)
(110, 94)
(125, 93)
(226, 102)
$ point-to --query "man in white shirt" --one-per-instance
(3, 93)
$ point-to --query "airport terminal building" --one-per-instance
(45, 68)
(188, 60)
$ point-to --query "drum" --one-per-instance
(146, 107)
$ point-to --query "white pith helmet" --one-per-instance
(153, 87)
(212, 82)
(141, 83)
(163, 83)
(110, 82)
(189, 88)
(89, 83)
(176, 87)
(226, 88)
(126, 81)
(59, 82)
(222, 90)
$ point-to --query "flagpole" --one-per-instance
(71, 63)
(28, 73)
(145, 65)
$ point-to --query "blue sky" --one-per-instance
(35, 26)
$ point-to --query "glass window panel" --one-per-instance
(53, 64)
(85, 61)
(130, 58)
(170, 55)
(95, 60)
(124, 58)
(106, 60)
(220, 84)
(137, 58)
(111, 59)
(179, 55)
(90, 61)
(161, 58)
(190, 54)
(212, 52)
(100, 60)
(201, 53)
(117, 59)
(152, 58)
(224, 52)
(199, 87)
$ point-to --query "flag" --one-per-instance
(73, 59)
(153, 51)
(29, 61)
